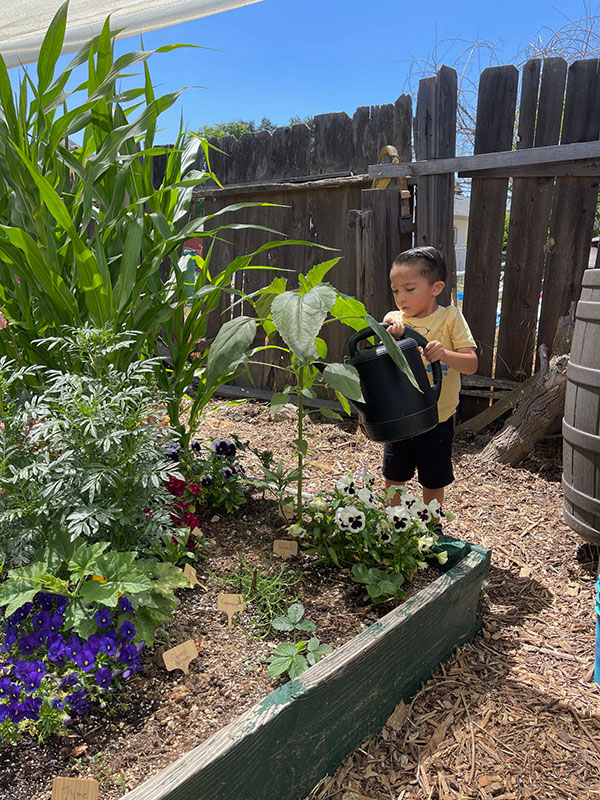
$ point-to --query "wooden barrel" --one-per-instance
(581, 422)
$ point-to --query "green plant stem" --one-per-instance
(300, 433)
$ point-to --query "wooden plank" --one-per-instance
(574, 202)
(529, 220)
(443, 220)
(494, 131)
(252, 393)
(586, 168)
(306, 183)
(386, 241)
(435, 137)
(336, 704)
(483, 380)
(375, 127)
(424, 134)
(333, 143)
(484, 161)
(489, 414)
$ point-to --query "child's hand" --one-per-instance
(434, 352)
(396, 328)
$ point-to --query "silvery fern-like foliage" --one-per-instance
(86, 452)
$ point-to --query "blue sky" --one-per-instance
(284, 58)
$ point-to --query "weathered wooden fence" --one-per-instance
(316, 180)
(323, 187)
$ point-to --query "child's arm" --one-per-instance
(463, 360)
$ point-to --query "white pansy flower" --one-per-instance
(346, 485)
(398, 518)
(421, 512)
(350, 519)
(395, 489)
(424, 543)
(436, 509)
(367, 498)
(365, 477)
(442, 557)
(408, 500)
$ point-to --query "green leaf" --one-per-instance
(278, 665)
(83, 560)
(297, 667)
(316, 274)
(76, 614)
(228, 348)
(329, 413)
(282, 624)
(295, 612)
(306, 625)
(102, 593)
(345, 379)
(60, 549)
(299, 318)
(278, 401)
(321, 346)
(344, 403)
(286, 649)
(51, 48)
(391, 345)
(14, 593)
(350, 311)
(360, 573)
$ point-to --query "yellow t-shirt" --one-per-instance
(448, 326)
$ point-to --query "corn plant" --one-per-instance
(87, 236)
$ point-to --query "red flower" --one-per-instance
(175, 486)
(194, 488)
(190, 520)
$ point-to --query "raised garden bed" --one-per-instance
(285, 743)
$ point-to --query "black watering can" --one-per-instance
(393, 408)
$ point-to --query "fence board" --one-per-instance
(435, 137)
(494, 132)
(529, 220)
(574, 203)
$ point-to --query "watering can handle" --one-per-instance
(409, 333)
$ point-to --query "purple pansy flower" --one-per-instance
(103, 618)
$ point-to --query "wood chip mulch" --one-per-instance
(514, 714)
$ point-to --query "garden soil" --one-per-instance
(513, 714)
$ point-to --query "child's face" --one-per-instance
(414, 295)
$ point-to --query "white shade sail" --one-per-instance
(25, 22)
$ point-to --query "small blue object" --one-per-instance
(597, 609)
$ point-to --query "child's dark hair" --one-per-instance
(432, 263)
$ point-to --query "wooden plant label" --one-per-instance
(288, 512)
(230, 604)
(190, 574)
(285, 548)
(74, 789)
(179, 657)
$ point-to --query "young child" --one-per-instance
(417, 277)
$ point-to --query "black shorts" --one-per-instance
(430, 453)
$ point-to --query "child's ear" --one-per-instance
(437, 287)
